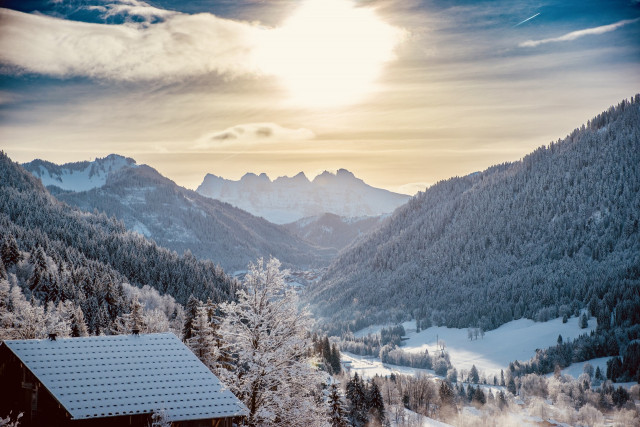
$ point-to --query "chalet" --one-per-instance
(118, 380)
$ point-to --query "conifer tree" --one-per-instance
(470, 393)
(461, 392)
(599, 373)
(614, 368)
(326, 353)
(58, 318)
(336, 366)
(3, 270)
(375, 404)
(336, 408)
(502, 399)
(38, 259)
(137, 315)
(132, 321)
(447, 396)
(356, 394)
(202, 342)
(191, 312)
(584, 322)
(78, 325)
(479, 397)
(474, 377)
(9, 252)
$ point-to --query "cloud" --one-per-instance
(252, 133)
(181, 45)
(326, 53)
(580, 33)
(132, 8)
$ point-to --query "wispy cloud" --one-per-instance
(131, 8)
(252, 133)
(181, 45)
(580, 33)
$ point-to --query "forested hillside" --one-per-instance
(181, 219)
(61, 253)
(537, 238)
(333, 231)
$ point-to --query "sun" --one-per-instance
(329, 52)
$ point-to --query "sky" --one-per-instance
(403, 93)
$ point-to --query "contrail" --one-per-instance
(528, 19)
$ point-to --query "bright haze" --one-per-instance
(403, 93)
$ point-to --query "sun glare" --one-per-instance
(329, 52)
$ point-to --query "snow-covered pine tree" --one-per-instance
(584, 322)
(375, 403)
(137, 315)
(58, 318)
(202, 341)
(356, 394)
(511, 386)
(191, 312)
(474, 377)
(10, 252)
(132, 321)
(267, 332)
(502, 399)
(326, 353)
(336, 408)
(479, 397)
(336, 366)
(78, 325)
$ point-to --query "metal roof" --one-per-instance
(105, 376)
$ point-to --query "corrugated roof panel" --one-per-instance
(127, 374)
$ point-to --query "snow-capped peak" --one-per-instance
(78, 176)
(288, 199)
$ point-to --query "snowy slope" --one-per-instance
(576, 369)
(369, 367)
(79, 176)
(289, 199)
(515, 340)
(414, 419)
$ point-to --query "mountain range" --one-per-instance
(173, 216)
(537, 238)
(289, 199)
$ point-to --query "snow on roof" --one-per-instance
(117, 375)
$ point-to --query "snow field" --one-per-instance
(515, 340)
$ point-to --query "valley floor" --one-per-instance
(516, 340)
